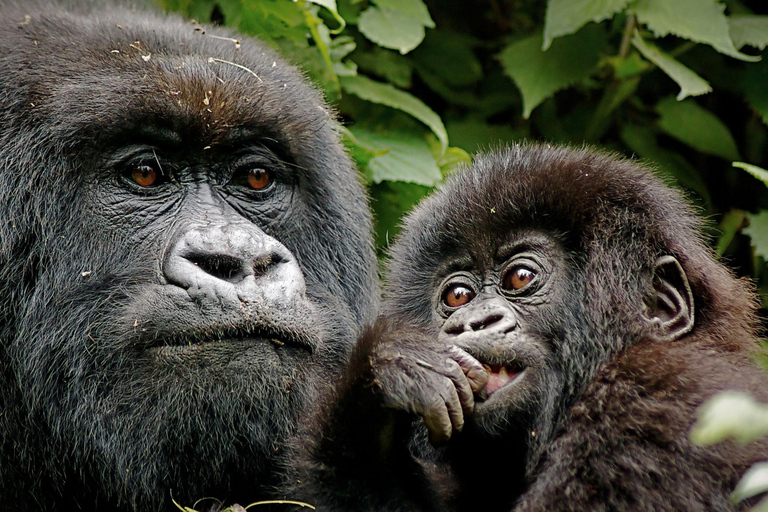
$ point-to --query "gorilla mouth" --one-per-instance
(500, 375)
(229, 339)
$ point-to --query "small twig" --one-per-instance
(222, 61)
(236, 41)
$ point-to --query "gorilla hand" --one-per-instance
(435, 381)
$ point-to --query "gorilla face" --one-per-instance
(185, 256)
(496, 309)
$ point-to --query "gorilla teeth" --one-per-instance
(500, 375)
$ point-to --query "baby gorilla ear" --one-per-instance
(671, 308)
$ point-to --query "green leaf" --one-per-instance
(754, 170)
(758, 232)
(540, 74)
(729, 227)
(748, 30)
(396, 24)
(754, 482)
(567, 16)
(702, 21)
(730, 414)
(690, 83)
(384, 94)
(697, 127)
(402, 156)
(415, 9)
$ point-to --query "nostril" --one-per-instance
(220, 266)
(485, 322)
(454, 330)
(262, 264)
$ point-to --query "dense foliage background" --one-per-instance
(421, 85)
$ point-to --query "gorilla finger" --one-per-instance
(462, 386)
(476, 374)
(454, 406)
(439, 425)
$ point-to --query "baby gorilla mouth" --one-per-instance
(500, 375)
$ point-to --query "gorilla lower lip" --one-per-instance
(499, 376)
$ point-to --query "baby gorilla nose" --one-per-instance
(484, 316)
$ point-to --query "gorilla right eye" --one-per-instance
(457, 295)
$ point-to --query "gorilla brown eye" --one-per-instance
(144, 176)
(258, 179)
(458, 295)
(517, 278)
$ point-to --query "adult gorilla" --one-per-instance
(560, 306)
(185, 253)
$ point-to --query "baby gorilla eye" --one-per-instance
(457, 295)
(517, 278)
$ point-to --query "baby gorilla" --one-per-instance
(555, 318)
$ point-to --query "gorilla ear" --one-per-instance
(671, 305)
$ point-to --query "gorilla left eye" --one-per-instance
(517, 278)
(254, 179)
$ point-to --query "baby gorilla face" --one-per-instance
(497, 310)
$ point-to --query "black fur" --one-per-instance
(614, 343)
(112, 396)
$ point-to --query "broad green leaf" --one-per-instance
(415, 9)
(730, 414)
(642, 141)
(567, 16)
(729, 227)
(697, 127)
(754, 482)
(396, 24)
(749, 30)
(384, 94)
(540, 74)
(758, 232)
(690, 83)
(755, 91)
(403, 156)
(702, 21)
(754, 170)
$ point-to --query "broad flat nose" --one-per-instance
(233, 257)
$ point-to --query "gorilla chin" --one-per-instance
(186, 258)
